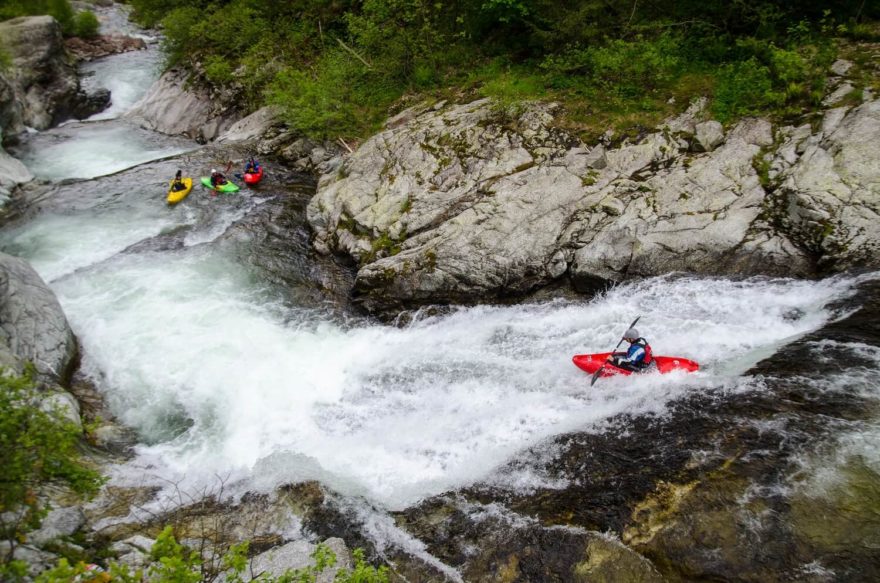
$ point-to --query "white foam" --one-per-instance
(128, 76)
(392, 414)
(90, 149)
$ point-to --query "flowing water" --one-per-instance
(222, 375)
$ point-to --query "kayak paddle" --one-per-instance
(598, 372)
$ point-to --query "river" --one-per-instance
(224, 372)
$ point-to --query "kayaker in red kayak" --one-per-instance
(638, 357)
(252, 167)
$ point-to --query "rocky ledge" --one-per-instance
(86, 49)
(467, 203)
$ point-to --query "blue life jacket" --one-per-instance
(639, 353)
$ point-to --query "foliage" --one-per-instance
(59, 9)
(171, 562)
(37, 447)
(85, 24)
(743, 88)
(337, 68)
(626, 67)
(5, 60)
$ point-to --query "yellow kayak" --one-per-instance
(175, 196)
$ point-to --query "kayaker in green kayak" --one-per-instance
(217, 178)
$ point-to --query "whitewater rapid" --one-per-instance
(222, 376)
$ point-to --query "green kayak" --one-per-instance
(227, 187)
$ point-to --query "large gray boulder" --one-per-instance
(12, 173)
(298, 555)
(43, 75)
(176, 107)
(33, 327)
(468, 202)
(10, 109)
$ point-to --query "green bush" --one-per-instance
(218, 70)
(743, 88)
(171, 562)
(5, 60)
(176, 25)
(85, 24)
(59, 9)
(37, 447)
(63, 13)
(626, 68)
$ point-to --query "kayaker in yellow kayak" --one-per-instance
(177, 184)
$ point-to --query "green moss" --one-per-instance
(845, 518)
(430, 260)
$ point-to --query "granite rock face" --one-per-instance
(172, 107)
(468, 202)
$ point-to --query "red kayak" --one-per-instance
(591, 363)
(252, 178)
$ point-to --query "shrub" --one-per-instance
(218, 70)
(171, 562)
(626, 68)
(5, 60)
(743, 88)
(85, 24)
(63, 13)
(36, 447)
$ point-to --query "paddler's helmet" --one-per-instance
(213, 171)
(631, 334)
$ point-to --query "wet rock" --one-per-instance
(12, 174)
(10, 110)
(43, 75)
(91, 103)
(86, 49)
(33, 325)
(489, 543)
(254, 126)
(716, 489)
(177, 105)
